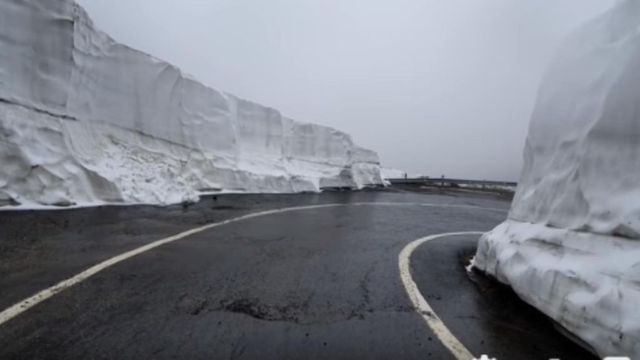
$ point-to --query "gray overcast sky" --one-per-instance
(434, 86)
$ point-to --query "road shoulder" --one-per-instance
(487, 317)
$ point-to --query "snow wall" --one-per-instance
(86, 120)
(571, 244)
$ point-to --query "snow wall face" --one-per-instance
(571, 245)
(86, 120)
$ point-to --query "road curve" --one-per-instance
(319, 282)
(422, 307)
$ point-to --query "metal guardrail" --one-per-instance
(444, 181)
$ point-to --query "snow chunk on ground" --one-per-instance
(86, 120)
(571, 246)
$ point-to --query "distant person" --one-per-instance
(405, 176)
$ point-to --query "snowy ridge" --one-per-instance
(571, 246)
(86, 120)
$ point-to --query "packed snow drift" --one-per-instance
(571, 245)
(86, 120)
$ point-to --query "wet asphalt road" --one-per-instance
(317, 283)
(486, 316)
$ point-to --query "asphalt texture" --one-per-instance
(315, 284)
(486, 316)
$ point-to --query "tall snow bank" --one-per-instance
(571, 245)
(85, 120)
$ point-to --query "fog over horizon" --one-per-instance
(435, 87)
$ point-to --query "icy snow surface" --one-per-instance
(571, 245)
(86, 120)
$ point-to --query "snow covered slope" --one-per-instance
(571, 245)
(86, 120)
